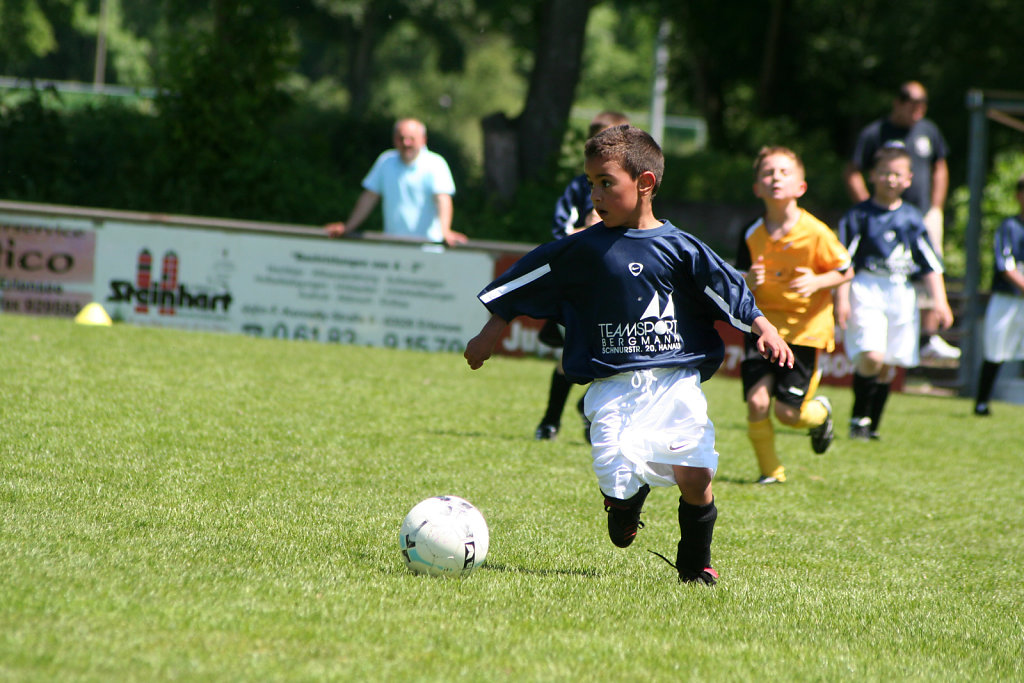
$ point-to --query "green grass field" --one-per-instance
(189, 506)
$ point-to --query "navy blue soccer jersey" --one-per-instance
(572, 208)
(888, 242)
(629, 299)
(1009, 248)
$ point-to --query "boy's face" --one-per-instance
(779, 178)
(891, 178)
(616, 196)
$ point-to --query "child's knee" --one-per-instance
(870, 363)
(787, 414)
(759, 405)
(694, 483)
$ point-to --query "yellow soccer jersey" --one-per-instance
(801, 320)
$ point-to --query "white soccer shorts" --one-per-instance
(1004, 328)
(883, 319)
(644, 422)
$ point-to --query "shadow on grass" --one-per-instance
(508, 437)
(725, 479)
(497, 567)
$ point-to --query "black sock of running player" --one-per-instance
(878, 398)
(696, 527)
(557, 395)
(863, 391)
(989, 373)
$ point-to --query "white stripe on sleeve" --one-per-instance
(929, 254)
(714, 296)
(513, 285)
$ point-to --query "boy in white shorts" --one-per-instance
(889, 245)
(1004, 316)
(638, 298)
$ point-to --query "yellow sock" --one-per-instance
(762, 437)
(812, 414)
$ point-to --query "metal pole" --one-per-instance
(100, 66)
(976, 162)
(660, 83)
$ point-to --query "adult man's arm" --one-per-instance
(364, 206)
(445, 210)
(855, 185)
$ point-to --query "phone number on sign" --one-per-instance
(347, 335)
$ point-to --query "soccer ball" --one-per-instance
(444, 536)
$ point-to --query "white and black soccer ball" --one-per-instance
(444, 536)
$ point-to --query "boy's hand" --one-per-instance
(480, 347)
(944, 314)
(770, 343)
(755, 276)
(774, 348)
(478, 350)
(806, 283)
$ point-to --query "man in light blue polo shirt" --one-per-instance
(416, 186)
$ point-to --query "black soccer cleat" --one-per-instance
(860, 429)
(708, 576)
(822, 435)
(546, 432)
(624, 516)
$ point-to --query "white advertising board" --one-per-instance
(344, 291)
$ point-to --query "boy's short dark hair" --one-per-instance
(893, 149)
(1020, 184)
(606, 119)
(631, 148)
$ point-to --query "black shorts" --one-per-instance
(791, 384)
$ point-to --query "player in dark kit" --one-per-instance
(638, 298)
(1004, 314)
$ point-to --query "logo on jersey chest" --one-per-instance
(655, 331)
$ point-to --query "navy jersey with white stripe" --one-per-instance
(888, 242)
(629, 299)
(1009, 248)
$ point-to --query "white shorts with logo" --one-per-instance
(883, 319)
(1004, 328)
(643, 423)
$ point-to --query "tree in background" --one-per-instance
(25, 34)
(221, 96)
(527, 147)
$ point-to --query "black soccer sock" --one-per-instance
(878, 398)
(863, 392)
(557, 394)
(696, 527)
(987, 380)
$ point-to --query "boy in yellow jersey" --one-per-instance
(792, 262)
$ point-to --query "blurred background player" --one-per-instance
(927, 147)
(1004, 316)
(416, 186)
(573, 212)
(889, 245)
(792, 262)
(632, 271)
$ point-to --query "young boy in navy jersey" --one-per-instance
(889, 245)
(638, 298)
(1004, 315)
